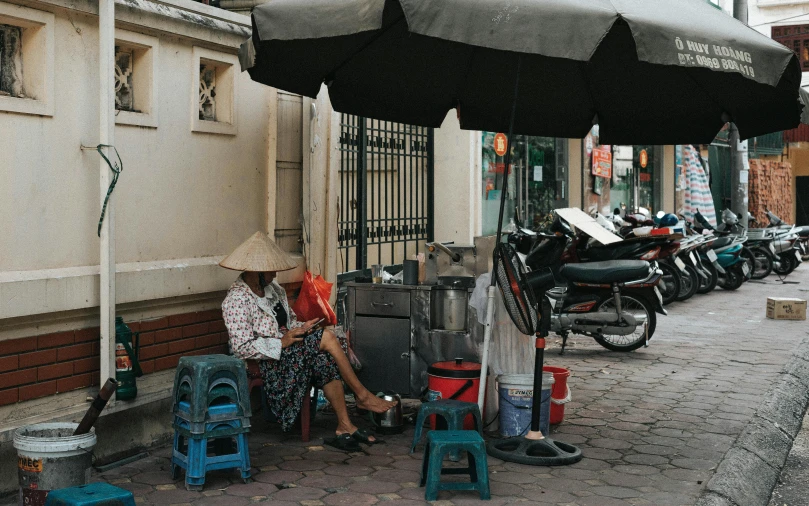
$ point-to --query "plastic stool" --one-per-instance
(204, 379)
(441, 442)
(453, 412)
(195, 460)
(88, 495)
(216, 414)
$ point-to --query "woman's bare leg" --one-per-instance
(334, 392)
(365, 399)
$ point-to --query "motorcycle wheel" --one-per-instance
(709, 284)
(762, 266)
(689, 283)
(642, 310)
(733, 278)
(787, 261)
(795, 263)
(669, 284)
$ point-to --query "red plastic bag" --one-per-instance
(313, 301)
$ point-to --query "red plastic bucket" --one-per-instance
(560, 393)
(454, 379)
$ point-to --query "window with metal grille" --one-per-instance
(795, 37)
(11, 81)
(386, 191)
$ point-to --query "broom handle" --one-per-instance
(96, 407)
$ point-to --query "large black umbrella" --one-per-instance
(648, 71)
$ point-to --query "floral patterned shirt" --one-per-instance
(250, 320)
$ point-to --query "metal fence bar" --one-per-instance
(386, 190)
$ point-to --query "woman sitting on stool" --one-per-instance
(292, 355)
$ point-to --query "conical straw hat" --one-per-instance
(259, 254)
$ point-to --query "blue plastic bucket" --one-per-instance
(516, 395)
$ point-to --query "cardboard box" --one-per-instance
(780, 308)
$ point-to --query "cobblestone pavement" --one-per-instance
(652, 424)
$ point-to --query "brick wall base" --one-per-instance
(38, 366)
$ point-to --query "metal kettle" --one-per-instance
(391, 421)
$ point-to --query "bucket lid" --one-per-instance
(526, 380)
(458, 369)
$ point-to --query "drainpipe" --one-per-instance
(106, 135)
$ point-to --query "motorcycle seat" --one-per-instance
(606, 272)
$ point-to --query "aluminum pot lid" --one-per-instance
(458, 368)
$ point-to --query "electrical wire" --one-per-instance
(116, 168)
(779, 20)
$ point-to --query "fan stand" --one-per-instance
(534, 449)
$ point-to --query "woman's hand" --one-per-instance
(297, 334)
(291, 337)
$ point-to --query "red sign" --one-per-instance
(499, 168)
(500, 144)
(643, 157)
(645, 177)
(602, 163)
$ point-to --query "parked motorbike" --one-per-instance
(658, 249)
(791, 243)
(615, 302)
(728, 249)
(758, 251)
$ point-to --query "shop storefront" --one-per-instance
(626, 177)
(538, 178)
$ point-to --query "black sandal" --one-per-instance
(364, 436)
(343, 442)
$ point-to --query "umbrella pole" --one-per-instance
(534, 448)
(487, 332)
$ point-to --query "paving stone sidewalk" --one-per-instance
(653, 425)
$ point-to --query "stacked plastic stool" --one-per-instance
(95, 494)
(452, 413)
(442, 442)
(211, 418)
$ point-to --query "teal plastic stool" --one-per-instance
(206, 380)
(450, 415)
(442, 442)
(100, 494)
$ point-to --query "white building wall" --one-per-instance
(184, 198)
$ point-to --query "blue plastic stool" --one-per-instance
(195, 460)
(441, 442)
(453, 413)
(215, 415)
(89, 495)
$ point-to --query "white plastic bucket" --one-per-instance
(50, 457)
(516, 397)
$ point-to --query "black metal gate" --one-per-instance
(386, 191)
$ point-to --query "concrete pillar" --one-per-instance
(457, 181)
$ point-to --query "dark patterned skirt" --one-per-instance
(300, 367)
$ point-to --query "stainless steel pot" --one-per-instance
(449, 308)
(391, 421)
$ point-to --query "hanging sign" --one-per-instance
(643, 157)
(602, 163)
(500, 143)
